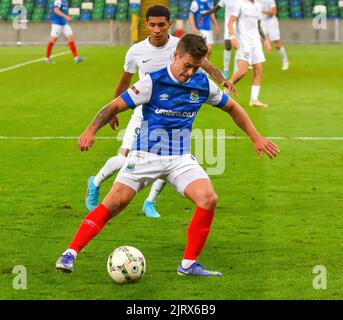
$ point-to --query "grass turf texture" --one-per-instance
(275, 220)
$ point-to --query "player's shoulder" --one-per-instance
(158, 74)
(200, 79)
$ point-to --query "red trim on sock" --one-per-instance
(197, 233)
(49, 49)
(73, 49)
(90, 227)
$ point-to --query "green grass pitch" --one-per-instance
(276, 220)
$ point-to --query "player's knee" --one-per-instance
(208, 201)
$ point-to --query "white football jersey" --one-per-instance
(248, 13)
(147, 58)
(267, 5)
(229, 7)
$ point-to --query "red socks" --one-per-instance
(197, 232)
(73, 49)
(90, 227)
(49, 49)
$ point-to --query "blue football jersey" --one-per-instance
(63, 6)
(198, 7)
(169, 109)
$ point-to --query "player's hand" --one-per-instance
(235, 43)
(264, 145)
(114, 123)
(229, 88)
(217, 29)
(69, 18)
(267, 45)
(86, 140)
(196, 31)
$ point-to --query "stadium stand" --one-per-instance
(122, 10)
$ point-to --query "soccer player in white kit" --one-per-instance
(248, 15)
(271, 28)
(229, 7)
(171, 99)
(147, 56)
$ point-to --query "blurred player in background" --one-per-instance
(201, 24)
(59, 23)
(146, 56)
(271, 28)
(248, 15)
(186, 90)
(229, 7)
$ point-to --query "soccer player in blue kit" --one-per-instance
(59, 23)
(171, 98)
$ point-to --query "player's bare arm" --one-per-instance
(218, 76)
(122, 86)
(213, 10)
(192, 22)
(215, 24)
(241, 118)
(265, 39)
(233, 39)
(60, 13)
(107, 113)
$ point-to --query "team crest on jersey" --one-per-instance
(130, 167)
(164, 97)
(194, 96)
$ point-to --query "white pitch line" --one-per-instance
(206, 137)
(30, 62)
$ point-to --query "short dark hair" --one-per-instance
(158, 11)
(193, 44)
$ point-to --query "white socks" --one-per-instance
(186, 263)
(156, 188)
(226, 60)
(283, 54)
(72, 251)
(111, 166)
(255, 91)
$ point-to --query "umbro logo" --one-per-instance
(145, 61)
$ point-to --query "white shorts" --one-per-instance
(252, 54)
(142, 168)
(208, 35)
(56, 30)
(132, 128)
(272, 30)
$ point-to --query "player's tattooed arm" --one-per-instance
(107, 113)
(217, 75)
(242, 119)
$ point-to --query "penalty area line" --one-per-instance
(16, 66)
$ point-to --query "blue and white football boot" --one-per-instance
(149, 209)
(196, 269)
(65, 263)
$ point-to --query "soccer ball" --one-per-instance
(126, 264)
